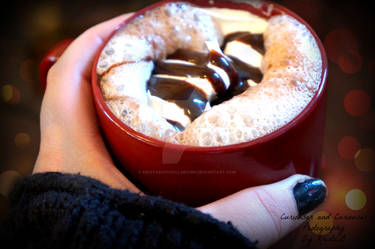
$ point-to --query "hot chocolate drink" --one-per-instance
(208, 76)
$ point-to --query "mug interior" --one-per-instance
(263, 9)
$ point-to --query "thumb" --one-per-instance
(269, 212)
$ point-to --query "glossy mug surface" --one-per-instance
(198, 175)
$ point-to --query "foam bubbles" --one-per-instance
(292, 70)
(291, 76)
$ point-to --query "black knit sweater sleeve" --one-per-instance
(54, 210)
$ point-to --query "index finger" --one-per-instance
(77, 59)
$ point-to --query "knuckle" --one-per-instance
(271, 206)
(93, 34)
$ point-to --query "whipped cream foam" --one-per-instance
(208, 76)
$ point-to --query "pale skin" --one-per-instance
(71, 143)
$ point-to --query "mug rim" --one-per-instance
(102, 106)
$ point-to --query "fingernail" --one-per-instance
(309, 194)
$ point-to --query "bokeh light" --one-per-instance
(10, 94)
(350, 61)
(338, 42)
(337, 190)
(355, 199)
(321, 223)
(47, 17)
(6, 93)
(357, 102)
(22, 139)
(7, 181)
(348, 147)
(364, 159)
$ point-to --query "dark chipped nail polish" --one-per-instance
(309, 194)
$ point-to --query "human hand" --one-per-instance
(267, 213)
(71, 143)
(70, 136)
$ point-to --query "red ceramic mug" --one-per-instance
(198, 175)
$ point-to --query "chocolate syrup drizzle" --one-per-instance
(255, 40)
(180, 92)
(190, 97)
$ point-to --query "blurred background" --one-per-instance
(346, 28)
